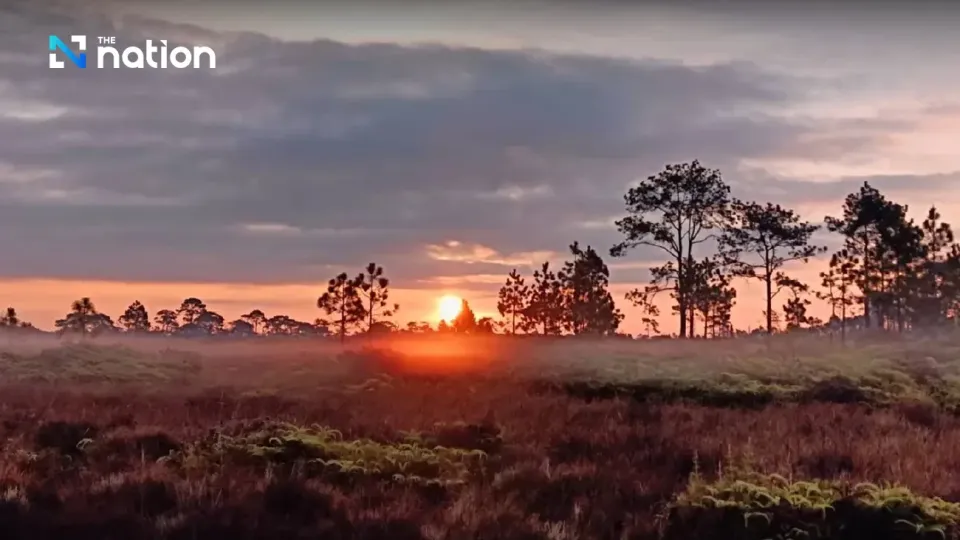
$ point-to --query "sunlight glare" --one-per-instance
(448, 307)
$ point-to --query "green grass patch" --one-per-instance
(321, 451)
(755, 506)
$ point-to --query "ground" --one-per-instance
(481, 438)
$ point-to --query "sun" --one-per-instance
(448, 307)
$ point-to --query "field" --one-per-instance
(480, 438)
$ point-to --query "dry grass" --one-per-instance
(456, 438)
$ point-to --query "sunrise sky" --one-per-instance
(329, 136)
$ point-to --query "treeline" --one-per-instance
(889, 273)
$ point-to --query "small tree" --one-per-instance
(10, 318)
(135, 318)
(486, 325)
(81, 317)
(166, 321)
(241, 327)
(838, 283)
(418, 327)
(465, 321)
(210, 322)
(342, 300)
(795, 309)
(545, 308)
(762, 240)
(513, 301)
(190, 309)
(588, 306)
(256, 319)
(374, 288)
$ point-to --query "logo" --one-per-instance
(79, 60)
(150, 55)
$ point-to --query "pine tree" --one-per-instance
(513, 301)
(342, 301)
(588, 306)
(135, 318)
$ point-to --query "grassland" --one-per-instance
(480, 438)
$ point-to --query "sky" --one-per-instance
(449, 142)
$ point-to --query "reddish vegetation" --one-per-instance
(564, 469)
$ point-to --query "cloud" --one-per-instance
(293, 160)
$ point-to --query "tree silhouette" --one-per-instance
(210, 322)
(588, 306)
(795, 309)
(166, 321)
(867, 222)
(81, 317)
(465, 322)
(761, 240)
(420, 327)
(545, 308)
(711, 297)
(513, 301)
(342, 300)
(374, 288)
(256, 319)
(190, 309)
(241, 327)
(674, 211)
(443, 327)
(135, 318)
(837, 283)
(486, 325)
(10, 318)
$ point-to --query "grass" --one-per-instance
(460, 438)
(749, 504)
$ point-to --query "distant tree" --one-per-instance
(256, 319)
(80, 318)
(711, 298)
(241, 327)
(486, 325)
(762, 240)
(465, 321)
(545, 309)
(166, 321)
(795, 309)
(375, 291)
(513, 301)
(281, 325)
(444, 328)
(342, 300)
(382, 327)
(135, 318)
(838, 283)
(418, 327)
(10, 318)
(190, 309)
(675, 212)
(885, 244)
(210, 322)
(91, 324)
(588, 306)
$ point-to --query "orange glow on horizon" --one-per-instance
(448, 307)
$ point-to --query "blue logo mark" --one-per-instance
(78, 59)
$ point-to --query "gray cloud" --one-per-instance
(294, 159)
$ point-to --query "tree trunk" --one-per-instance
(769, 284)
(683, 319)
